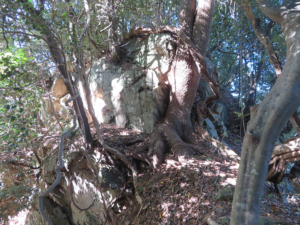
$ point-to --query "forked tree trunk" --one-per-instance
(264, 127)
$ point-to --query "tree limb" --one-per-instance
(271, 11)
(263, 37)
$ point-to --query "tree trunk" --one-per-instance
(264, 128)
(187, 16)
(61, 65)
(176, 131)
(202, 25)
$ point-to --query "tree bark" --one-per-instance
(176, 131)
(274, 111)
(187, 16)
(202, 25)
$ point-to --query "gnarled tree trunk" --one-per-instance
(270, 117)
(176, 131)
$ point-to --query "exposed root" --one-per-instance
(135, 141)
(60, 165)
(289, 151)
(176, 132)
(108, 148)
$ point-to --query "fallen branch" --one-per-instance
(288, 151)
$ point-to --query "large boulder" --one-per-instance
(52, 210)
(86, 190)
(137, 94)
(226, 193)
(133, 94)
(53, 113)
(218, 116)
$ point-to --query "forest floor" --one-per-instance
(186, 192)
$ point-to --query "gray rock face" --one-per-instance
(52, 210)
(60, 208)
(137, 96)
(211, 128)
(218, 113)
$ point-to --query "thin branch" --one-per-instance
(24, 33)
(3, 32)
(263, 37)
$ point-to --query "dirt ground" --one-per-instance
(186, 192)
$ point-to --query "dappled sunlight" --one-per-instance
(124, 133)
(231, 181)
(185, 191)
(18, 219)
(99, 104)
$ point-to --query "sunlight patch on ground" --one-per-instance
(231, 181)
(18, 219)
(234, 167)
(124, 132)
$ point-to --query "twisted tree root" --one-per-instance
(60, 160)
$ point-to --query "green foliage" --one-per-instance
(230, 31)
(20, 86)
(19, 104)
(240, 114)
(140, 189)
(270, 196)
(15, 199)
